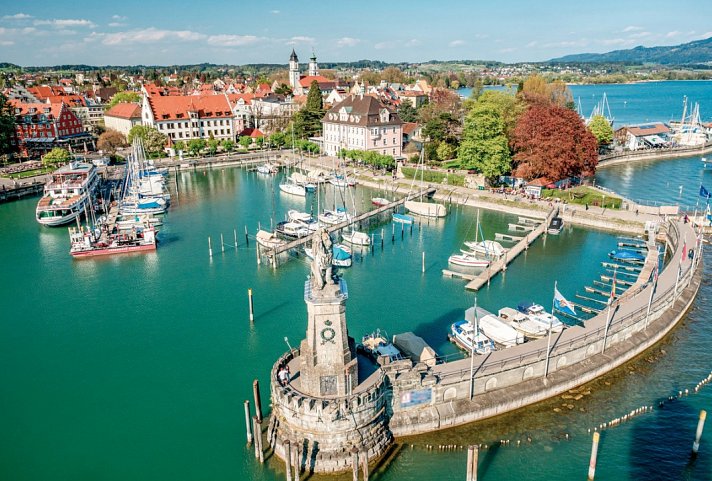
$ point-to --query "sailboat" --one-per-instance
(425, 209)
(484, 247)
(469, 258)
(289, 185)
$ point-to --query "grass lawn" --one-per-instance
(583, 195)
(30, 173)
(434, 176)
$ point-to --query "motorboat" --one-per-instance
(341, 255)
(84, 243)
(425, 209)
(555, 226)
(522, 323)
(356, 238)
(403, 218)
(269, 240)
(495, 328)
(267, 169)
(296, 216)
(292, 188)
(68, 194)
(536, 313)
(295, 230)
(338, 182)
(334, 217)
(380, 201)
(463, 334)
(486, 247)
(143, 205)
(379, 347)
(467, 260)
(627, 255)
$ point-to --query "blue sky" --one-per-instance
(169, 32)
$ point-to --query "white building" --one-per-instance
(122, 117)
(361, 122)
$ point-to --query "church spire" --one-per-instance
(293, 57)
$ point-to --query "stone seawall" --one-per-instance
(513, 378)
(656, 154)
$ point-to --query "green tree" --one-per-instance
(179, 145)
(283, 89)
(509, 107)
(57, 156)
(7, 126)
(195, 146)
(213, 145)
(245, 141)
(153, 141)
(307, 122)
(139, 131)
(126, 96)
(484, 145)
(445, 151)
(228, 145)
(278, 139)
(407, 112)
(601, 129)
(260, 141)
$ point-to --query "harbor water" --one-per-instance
(136, 366)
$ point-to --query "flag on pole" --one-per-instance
(654, 277)
(684, 250)
(561, 304)
(704, 192)
(613, 288)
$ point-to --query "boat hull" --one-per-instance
(113, 250)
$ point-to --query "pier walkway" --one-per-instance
(501, 264)
(366, 215)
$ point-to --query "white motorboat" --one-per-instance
(341, 255)
(379, 347)
(522, 323)
(467, 260)
(338, 182)
(536, 313)
(290, 187)
(425, 209)
(466, 336)
(403, 218)
(494, 327)
(145, 205)
(296, 216)
(267, 169)
(294, 230)
(269, 240)
(356, 238)
(380, 201)
(487, 247)
(67, 194)
(334, 217)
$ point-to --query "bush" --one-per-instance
(434, 176)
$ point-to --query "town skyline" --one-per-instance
(145, 34)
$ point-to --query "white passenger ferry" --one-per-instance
(67, 193)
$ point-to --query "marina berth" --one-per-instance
(488, 248)
(269, 240)
(67, 194)
(522, 323)
(467, 260)
(294, 230)
(536, 313)
(356, 238)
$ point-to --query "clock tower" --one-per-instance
(328, 361)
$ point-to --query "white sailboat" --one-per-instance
(424, 209)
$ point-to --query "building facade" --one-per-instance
(361, 122)
(122, 117)
(39, 127)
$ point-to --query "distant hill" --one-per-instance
(697, 52)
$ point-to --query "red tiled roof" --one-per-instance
(72, 100)
(234, 98)
(176, 107)
(540, 182)
(42, 92)
(409, 127)
(254, 133)
(324, 83)
(55, 108)
(648, 129)
(124, 110)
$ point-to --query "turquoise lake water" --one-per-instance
(643, 102)
(136, 367)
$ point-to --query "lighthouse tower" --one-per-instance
(294, 71)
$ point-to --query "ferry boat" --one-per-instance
(85, 243)
(463, 334)
(67, 194)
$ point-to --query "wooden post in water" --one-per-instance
(393, 233)
(210, 247)
(222, 243)
(257, 251)
(258, 436)
(258, 403)
(472, 461)
(364, 465)
(594, 455)
(402, 230)
(288, 458)
(382, 234)
(248, 426)
(423, 263)
(698, 434)
(372, 240)
(354, 462)
(252, 314)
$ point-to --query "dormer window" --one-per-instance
(384, 115)
(46, 110)
(32, 110)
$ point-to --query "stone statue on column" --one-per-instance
(321, 269)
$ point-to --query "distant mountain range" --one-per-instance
(693, 53)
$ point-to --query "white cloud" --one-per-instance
(615, 41)
(6, 43)
(632, 28)
(274, 12)
(457, 43)
(347, 42)
(117, 24)
(232, 40)
(17, 16)
(640, 35)
(384, 45)
(66, 22)
(300, 39)
(66, 32)
(532, 44)
(413, 42)
(672, 34)
(507, 50)
(118, 17)
(148, 35)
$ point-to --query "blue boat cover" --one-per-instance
(627, 255)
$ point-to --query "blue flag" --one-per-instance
(704, 192)
(562, 305)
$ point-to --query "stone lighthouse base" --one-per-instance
(325, 430)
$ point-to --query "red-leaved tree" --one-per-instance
(553, 142)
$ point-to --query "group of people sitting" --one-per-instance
(283, 375)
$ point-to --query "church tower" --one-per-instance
(294, 72)
(313, 66)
